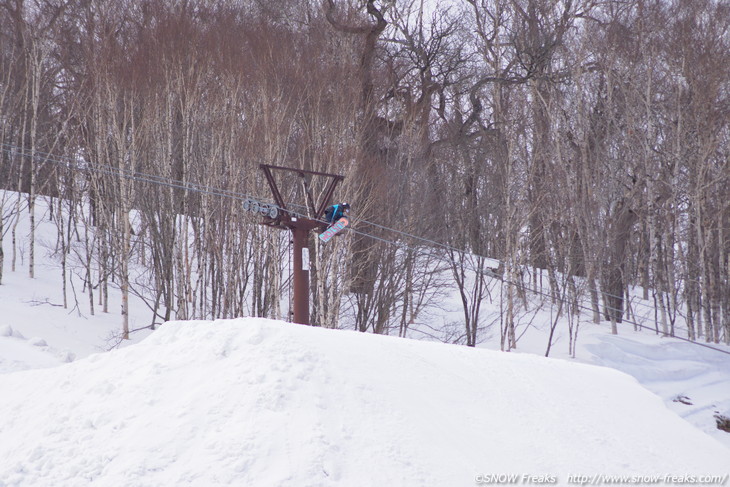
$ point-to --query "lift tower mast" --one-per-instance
(300, 226)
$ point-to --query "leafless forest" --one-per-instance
(583, 144)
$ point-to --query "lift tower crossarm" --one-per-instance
(329, 191)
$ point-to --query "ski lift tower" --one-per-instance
(300, 225)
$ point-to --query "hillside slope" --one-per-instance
(262, 403)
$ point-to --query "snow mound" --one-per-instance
(17, 353)
(262, 403)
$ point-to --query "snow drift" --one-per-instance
(254, 402)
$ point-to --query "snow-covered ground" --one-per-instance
(263, 403)
(693, 381)
(254, 402)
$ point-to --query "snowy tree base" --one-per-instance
(723, 422)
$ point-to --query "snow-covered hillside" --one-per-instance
(261, 403)
(254, 402)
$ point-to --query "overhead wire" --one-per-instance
(545, 294)
(165, 181)
(450, 248)
(194, 187)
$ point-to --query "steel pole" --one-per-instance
(301, 276)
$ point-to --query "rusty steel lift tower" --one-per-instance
(300, 227)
